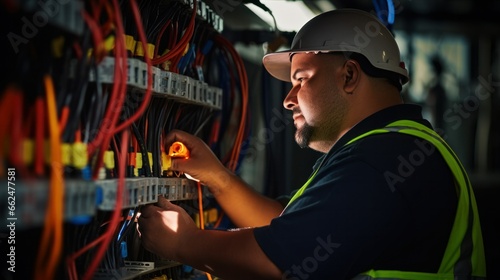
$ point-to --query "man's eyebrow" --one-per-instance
(296, 72)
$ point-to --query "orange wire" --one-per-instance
(219, 220)
(51, 244)
(200, 206)
(78, 136)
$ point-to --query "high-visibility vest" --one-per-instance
(464, 254)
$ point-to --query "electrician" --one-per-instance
(388, 199)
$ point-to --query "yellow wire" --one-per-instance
(53, 230)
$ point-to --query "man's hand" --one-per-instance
(168, 231)
(240, 202)
(163, 228)
(202, 163)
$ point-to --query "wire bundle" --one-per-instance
(67, 123)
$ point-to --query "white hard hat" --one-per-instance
(343, 30)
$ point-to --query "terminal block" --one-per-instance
(32, 197)
(165, 84)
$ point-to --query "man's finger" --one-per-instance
(147, 211)
(164, 203)
(176, 135)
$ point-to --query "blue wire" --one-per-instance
(377, 10)
(125, 224)
(383, 8)
(391, 14)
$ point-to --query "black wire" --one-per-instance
(151, 120)
(64, 77)
(79, 88)
(98, 107)
(155, 136)
(143, 150)
(160, 124)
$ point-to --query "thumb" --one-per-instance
(177, 164)
(165, 204)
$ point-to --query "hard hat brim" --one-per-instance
(278, 64)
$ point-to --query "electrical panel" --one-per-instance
(89, 90)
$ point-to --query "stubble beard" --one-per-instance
(303, 135)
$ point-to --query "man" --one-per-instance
(386, 200)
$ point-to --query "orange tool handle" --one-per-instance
(178, 150)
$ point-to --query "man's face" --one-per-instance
(316, 99)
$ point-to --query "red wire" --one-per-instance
(115, 218)
(28, 126)
(215, 131)
(172, 39)
(70, 260)
(228, 158)
(244, 100)
(115, 93)
(148, 93)
(96, 8)
(160, 35)
(118, 156)
(39, 136)
(78, 50)
(97, 36)
(5, 123)
(179, 48)
(63, 120)
(117, 97)
(16, 129)
(112, 115)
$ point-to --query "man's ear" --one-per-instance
(351, 75)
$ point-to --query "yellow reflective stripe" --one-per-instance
(452, 252)
(371, 132)
(395, 274)
(466, 205)
(466, 219)
(453, 257)
(303, 188)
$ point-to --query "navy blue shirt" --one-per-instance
(385, 202)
